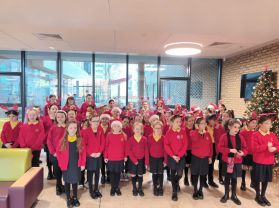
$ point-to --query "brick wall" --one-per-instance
(248, 62)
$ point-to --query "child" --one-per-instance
(248, 160)
(115, 155)
(233, 148)
(70, 102)
(115, 114)
(10, 131)
(95, 143)
(189, 125)
(201, 156)
(71, 156)
(55, 135)
(264, 145)
(88, 102)
(175, 144)
(51, 99)
(32, 135)
(138, 158)
(157, 157)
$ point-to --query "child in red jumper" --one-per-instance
(233, 148)
(71, 156)
(115, 155)
(95, 143)
(10, 131)
(201, 156)
(176, 143)
(55, 135)
(264, 145)
(32, 135)
(138, 158)
(157, 157)
(248, 159)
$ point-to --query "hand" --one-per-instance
(147, 167)
(93, 155)
(106, 160)
(98, 154)
(272, 149)
(210, 160)
(240, 153)
(55, 155)
(82, 168)
(233, 151)
(165, 165)
(125, 159)
(136, 163)
(8, 145)
(269, 144)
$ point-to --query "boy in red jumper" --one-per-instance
(138, 158)
(176, 143)
(264, 145)
(10, 131)
(201, 156)
(88, 102)
(32, 135)
(233, 147)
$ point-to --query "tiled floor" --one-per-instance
(212, 197)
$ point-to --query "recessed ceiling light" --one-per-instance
(51, 47)
(183, 49)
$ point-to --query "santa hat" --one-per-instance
(153, 117)
(195, 109)
(116, 123)
(105, 115)
(212, 106)
(116, 109)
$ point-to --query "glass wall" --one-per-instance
(142, 80)
(110, 79)
(10, 61)
(76, 76)
(41, 77)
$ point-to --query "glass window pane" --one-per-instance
(41, 77)
(174, 67)
(142, 80)
(76, 76)
(10, 61)
(110, 79)
(203, 82)
(10, 89)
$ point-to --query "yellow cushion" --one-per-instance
(14, 163)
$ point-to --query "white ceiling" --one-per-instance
(139, 26)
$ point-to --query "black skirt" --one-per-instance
(93, 164)
(156, 164)
(188, 157)
(199, 166)
(248, 160)
(173, 165)
(237, 170)
(138, 169)
(262, 173)
(115, 166)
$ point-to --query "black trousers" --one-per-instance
(56, 170)
(211, 166)
(36, 158)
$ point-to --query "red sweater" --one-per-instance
(54, 137)
(83, 109)
(147, 130)
(138, 150)
(165, 129)
(63, 156)
(48, 123)
(225, 150)
(115, 146)
(188, 134)
(176, 143)
(261, 155)
(94, 142)
(32, 136)
(128, 131)
(247, 135)
(156, 148)
(218, 132)
(201, 144)
(9, 134)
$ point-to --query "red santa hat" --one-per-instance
(105, 115)
(212, 106)
(195, 109)
(116, 109)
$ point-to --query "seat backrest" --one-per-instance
(14, 162)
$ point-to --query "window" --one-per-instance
(174, 67)
(10, 89)
(110, 79)
(76, 76)
(10, 61)
(142, 79)
(41, 77)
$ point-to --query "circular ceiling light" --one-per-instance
(183, 49)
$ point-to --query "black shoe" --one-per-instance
(103, 180)
(266, 201)
(160, 192)
(50, 177)
(200, 194)
(260, 201)
(225, 198)
(118, 192)
(59, 190)
(205, 185)
(243, 187)
(221, 181)
(76, 202)
(69, 203)
(112, 192)
(235, 200)
(186, 182)
(174, 196)
(195, 196)
(141, 193)
(213, 184)
(155, 191)
(135, 192)
(93, 195)
(98, 194)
